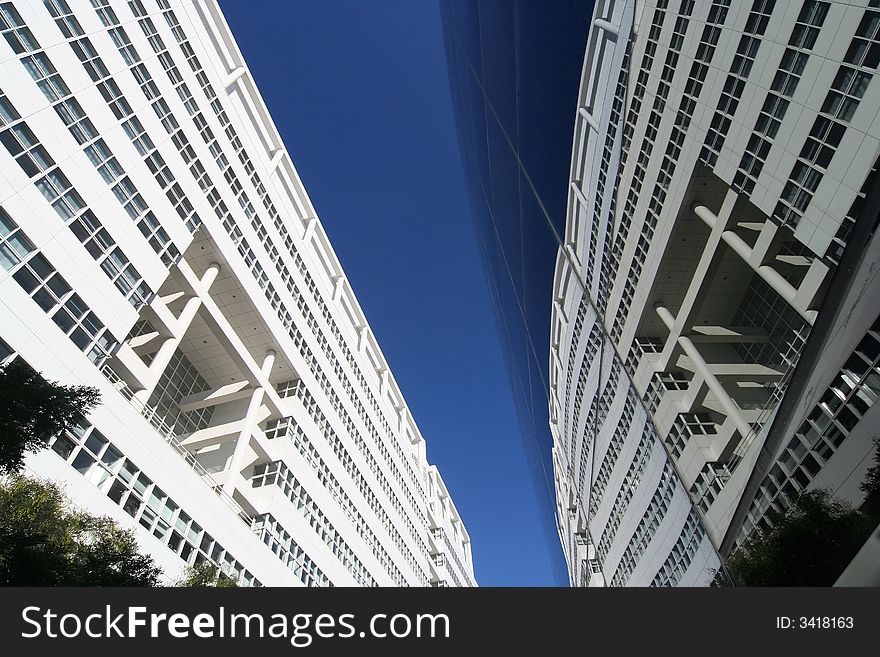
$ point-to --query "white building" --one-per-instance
(715, 338)
(158, 244)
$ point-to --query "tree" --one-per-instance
(205, 574)
(43, 543)
(32, 410)
(108, 555)
(810, 545)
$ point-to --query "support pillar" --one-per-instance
(248, 427)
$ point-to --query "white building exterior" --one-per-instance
(714, 341)
(158, 244)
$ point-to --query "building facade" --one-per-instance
(158, 244)
(714, 334)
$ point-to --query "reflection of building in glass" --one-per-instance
(713, 343)
(514, 69)
(157, 243)
(721, 161)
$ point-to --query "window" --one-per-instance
(44, 74)
(115, 98)
(73, 116)
(64, 17)
(52, 293)
(103, 160)
(23, 145)
(789, 73)
(56, 189)
(91, 61)
(180, 378)
(865, 47)
(17, 35)
(138, 135)
(125, 47)
(846, 91)
(14, 245)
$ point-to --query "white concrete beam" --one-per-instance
(588, 118)
(233, 76)
(222, 395)
(727, 403)
(772, 277)
(277, 156)
(249, 426)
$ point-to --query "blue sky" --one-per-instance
(359, 92)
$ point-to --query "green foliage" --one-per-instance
(42, 543)
(205, 574)
(808, 546)
(32, 410)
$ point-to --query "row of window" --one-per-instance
(782, 90)
(287, 428)
(735, 83)
(574, 345)
(438, 533)
(647, 145)
(323, 423)
(97, 459)
(687, 105)
(851, 394)
(651, 41)
(612, 452)
(320, 420)
(682, 553)
(42, 282)
(289, 551)
(35, 161)
(615, 118)
(653, 515)
(709, 484)
(596, 420)
(841, 237)
(440, 560)
(125, 190)
(838, 108)
(575, 403)
(41, 69)
(614, 124)
(628, 487)
(277, 473)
